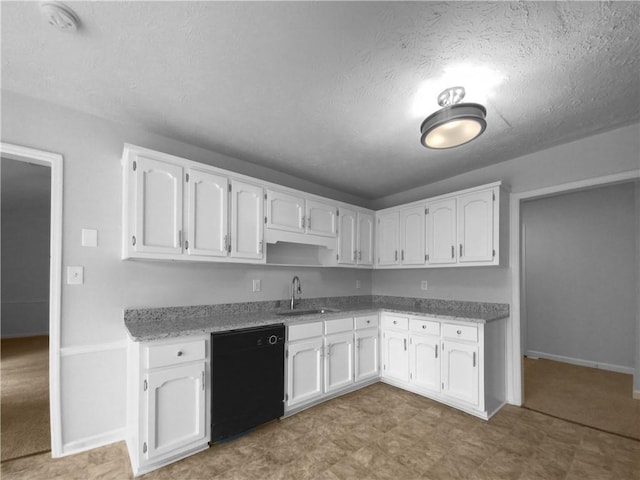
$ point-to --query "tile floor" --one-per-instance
(379, 432)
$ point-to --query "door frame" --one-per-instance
(53, 161)
(515, 338)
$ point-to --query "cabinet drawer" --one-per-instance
(370, 321)
(175, 353)
(389, 321)
(338, 325)
(304, 330)
(462, 332)
(426, 327)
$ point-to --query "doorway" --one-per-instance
(31, 300)
(578, 310)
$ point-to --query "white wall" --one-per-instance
(92, 330)
(91, 326)
(25, 267)
(580, 285)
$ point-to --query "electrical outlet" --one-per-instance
(257, 285)
(424, 285)
(358, 284)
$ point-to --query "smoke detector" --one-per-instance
(60, 16)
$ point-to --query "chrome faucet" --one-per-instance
(296, 287)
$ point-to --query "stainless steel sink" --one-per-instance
(293, 313)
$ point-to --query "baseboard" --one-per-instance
(26, 335)
(581, 362)
(95, 441)
(636, 394)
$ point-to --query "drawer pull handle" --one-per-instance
(459, 332)
(395, 322)
(368, 321)
(179, 354)
(424, 327)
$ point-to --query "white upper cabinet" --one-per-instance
(441, 220)
(388, 238)
(476, 227)
(365, 238)
(207, 222)
(157, 199)
(347, 240)
(247, 207)
(219, 224)
(322, 218)
(285, 211)
(355, 238)
(412, 236)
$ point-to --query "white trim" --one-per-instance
(581, 362)
(515, 385)
(94, 441)
(94, 348)
(636, 394)
(55, 162)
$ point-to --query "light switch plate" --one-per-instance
(358, 284)
(424, 285)
(89, 237)
(75, 275)
(257, 285)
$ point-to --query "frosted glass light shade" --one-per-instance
(453, 125)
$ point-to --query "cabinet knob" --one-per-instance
(368, 321)
(395, 322)
(424, 327)
(179, 354)
(459, 332)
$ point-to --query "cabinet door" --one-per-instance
(475, 227)
(365, 239)
(366, 354)
(441, 229)
(322, 218)
(285, 211)
(412, 236)
(158, 206)
(388, 236)
(207, 199)
(304, 371)
(424, 362)
(347, 248)
(175, 409)
(338, 361)
(395, 357)
(247, 220)
(460, 371)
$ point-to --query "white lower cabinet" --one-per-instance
(328, 358)
(168, 401)
(304, 371)
(338, 361)
(461, 364)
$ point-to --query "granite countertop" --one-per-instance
(162, 323)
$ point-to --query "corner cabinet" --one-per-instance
(461, 364)
(174, 211)
(168, 401)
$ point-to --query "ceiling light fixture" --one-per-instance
(60, 16)
(455, 124)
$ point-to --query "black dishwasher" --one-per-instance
(247, 375)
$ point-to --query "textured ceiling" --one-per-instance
(335, 92)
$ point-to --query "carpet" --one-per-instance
(24, 402)
(589, 396)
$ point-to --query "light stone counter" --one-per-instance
(161, 323)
